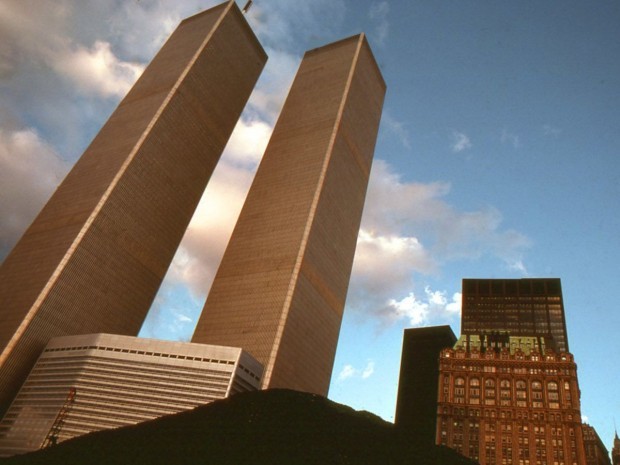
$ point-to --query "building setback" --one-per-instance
(507, 393)
(281, 287)
(95, 256)
(102, 381)
(416, 403)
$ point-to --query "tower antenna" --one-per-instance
(247, 6)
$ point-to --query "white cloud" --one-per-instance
(460, 142)
(433, 306)
(97, 70)
(347, 372)
(29, 172)
(409, 231)
(369, 370)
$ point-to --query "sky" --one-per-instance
(497, 157)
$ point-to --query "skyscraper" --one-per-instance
(280, 290)
(416, 403)
(112, 381)
(508, 389)
(95, 256)
(528, 307)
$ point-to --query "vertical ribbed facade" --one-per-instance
(280, 290)
(95, 256)
(104, 381)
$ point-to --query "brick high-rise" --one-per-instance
(281, 287)
(95, 256)
(508, 390)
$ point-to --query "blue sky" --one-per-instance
(497, 156)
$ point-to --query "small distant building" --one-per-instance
(596, 452)
(416, 403)
(615, 451)
(87, 383)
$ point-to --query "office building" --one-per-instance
(416, 402)
(595, 450)
(507, 393)
(95, 256)
(87, 383)
(280, 290)
(528, 307)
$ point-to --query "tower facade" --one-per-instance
(507, 393)
(416, 403)
(280, 290)
(95, 256)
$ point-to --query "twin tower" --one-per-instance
(94, 258)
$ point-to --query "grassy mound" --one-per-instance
(275, 427)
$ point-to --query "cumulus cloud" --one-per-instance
(369, 370)
(433, 306)
(460, 142)
(97, 70)
(409, 232)
(349, 371)
(30, 170)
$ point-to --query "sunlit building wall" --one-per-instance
(281, 287)
(95, 256)
(118, 381)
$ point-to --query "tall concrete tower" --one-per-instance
(95, 256)
(281, 287)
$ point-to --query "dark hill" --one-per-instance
(275, 427)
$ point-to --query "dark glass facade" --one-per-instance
(416, 403)
(522, 307)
